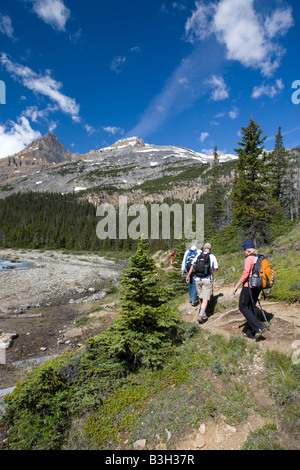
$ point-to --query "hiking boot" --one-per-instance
(259, 333)
(202, 319)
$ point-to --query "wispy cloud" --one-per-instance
(234, 112)
(52, 12)
(248, 37)
(203, 136)
(42, 84)
(112, 130)
(116, 63)
(268, 90)
(219, 88)
(6, 26)
(182, 90)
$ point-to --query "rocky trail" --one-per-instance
(283, 320)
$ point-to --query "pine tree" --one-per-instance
(147, 329)
(278, 167)
(251, 206)
(215, 207)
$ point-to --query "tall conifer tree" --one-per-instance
(215, 204)
(278, 169)
(250, 192)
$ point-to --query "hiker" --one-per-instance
(202, 267)
(188, 257)
(173, 256)
(249, 295)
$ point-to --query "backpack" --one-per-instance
(189, 259)
(202, 265)
(263, 275)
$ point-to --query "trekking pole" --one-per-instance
(266, 321)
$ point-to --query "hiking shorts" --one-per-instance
(204, 288)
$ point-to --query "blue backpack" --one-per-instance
(189, 258)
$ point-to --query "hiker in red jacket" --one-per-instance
(248, 299)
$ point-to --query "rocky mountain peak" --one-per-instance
(128, 142)
(45, 151)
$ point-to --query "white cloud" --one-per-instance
(247, 37)
(116, 63)
(234, 112)
(52, 12)
(113, 130)
(279, 22)
(42, 84)
(268, 90)
(179, 6)
(14, 137)
(200, 25)
(35, 114)
(220, 90)
(203, 136)
(6, 26)
(90, 130)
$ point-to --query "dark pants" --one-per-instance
(247, 307)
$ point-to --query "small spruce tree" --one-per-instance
(147, 330)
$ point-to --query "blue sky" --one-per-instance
(186, 73)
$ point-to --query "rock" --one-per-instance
(99, 295)
(229, 429)
(200, 441)
(140, 444)
(73, 333)
(79, 289)
(110, 305)
(6, 340)
(18, 311)
(202, 429)
(219, 437)
(5, 310)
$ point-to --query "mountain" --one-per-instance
(129, 165)
(42, 152)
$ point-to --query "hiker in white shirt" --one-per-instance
(207, 263)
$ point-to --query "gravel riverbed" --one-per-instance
(39, 306)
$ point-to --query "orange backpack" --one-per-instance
(263, 275)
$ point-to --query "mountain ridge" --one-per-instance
(126, 165)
